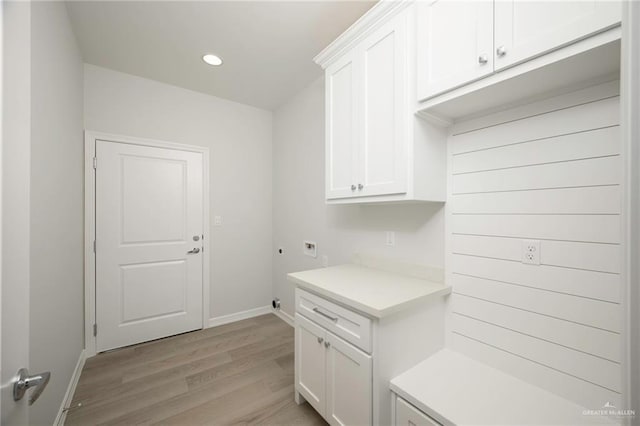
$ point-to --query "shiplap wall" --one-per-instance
(551, 174)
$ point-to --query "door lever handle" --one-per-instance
(194, 251)
(24, 381)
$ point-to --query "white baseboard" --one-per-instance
(71, 390)
(285, 317)
(226, 319)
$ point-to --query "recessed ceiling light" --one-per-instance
(212, 60)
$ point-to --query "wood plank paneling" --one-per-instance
(591, 200)
(579, 282)
(553, 176)
(579, 364)
(604, 344)
(594, 313)
(567, 386)
(574, 146)
(590, 172)
(585, 228)
(588, 256)
(593, 115)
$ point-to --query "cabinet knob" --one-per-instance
(360, 186)
(353, 187)
(483, 59)
(501, 51)
(327, 344)
(320, 339)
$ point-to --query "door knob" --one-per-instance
(194, 251)
(24, 381)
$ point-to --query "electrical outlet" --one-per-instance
(531, 252)
(217, 221)
(391, 238)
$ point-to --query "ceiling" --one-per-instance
(267, 46)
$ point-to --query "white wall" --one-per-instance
(42, 201)
(552, 174)
(300, 212)
(16, 133)
(56, 222)
(239, 140)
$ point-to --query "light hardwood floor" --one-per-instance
(239, 373)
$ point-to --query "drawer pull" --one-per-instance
(318, 311)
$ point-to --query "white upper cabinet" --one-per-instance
(383, 149)
(524, 29)
(373, 151)
(463, 41)
(366, 114)
(455, 41)
(342, 138)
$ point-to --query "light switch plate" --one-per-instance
(391, 238)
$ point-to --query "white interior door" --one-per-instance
(149, 230)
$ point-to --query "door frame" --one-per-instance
(90, 138)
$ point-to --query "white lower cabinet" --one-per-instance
(344, 359)
(348, 384)
(408, 415)
(332, 375)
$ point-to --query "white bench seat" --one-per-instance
(454, 389)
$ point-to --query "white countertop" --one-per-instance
(374, 292)
(455, 389)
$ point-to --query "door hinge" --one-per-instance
(95, 163)
(94, 246)
(95, 329)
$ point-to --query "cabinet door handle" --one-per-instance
(318, 311)
(353, 187)
(501, 51)
(327, 344)
(482, 59)
(360, 186)
(320, 339)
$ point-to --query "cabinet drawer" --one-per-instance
(352, 327)
(407, 415)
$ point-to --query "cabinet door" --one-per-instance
(524, 29)
(341, 127)
(310, 363)
(455, 44)
(407, 415)
(349, 382)
(383, 148)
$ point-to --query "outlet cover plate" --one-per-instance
(531, 252)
